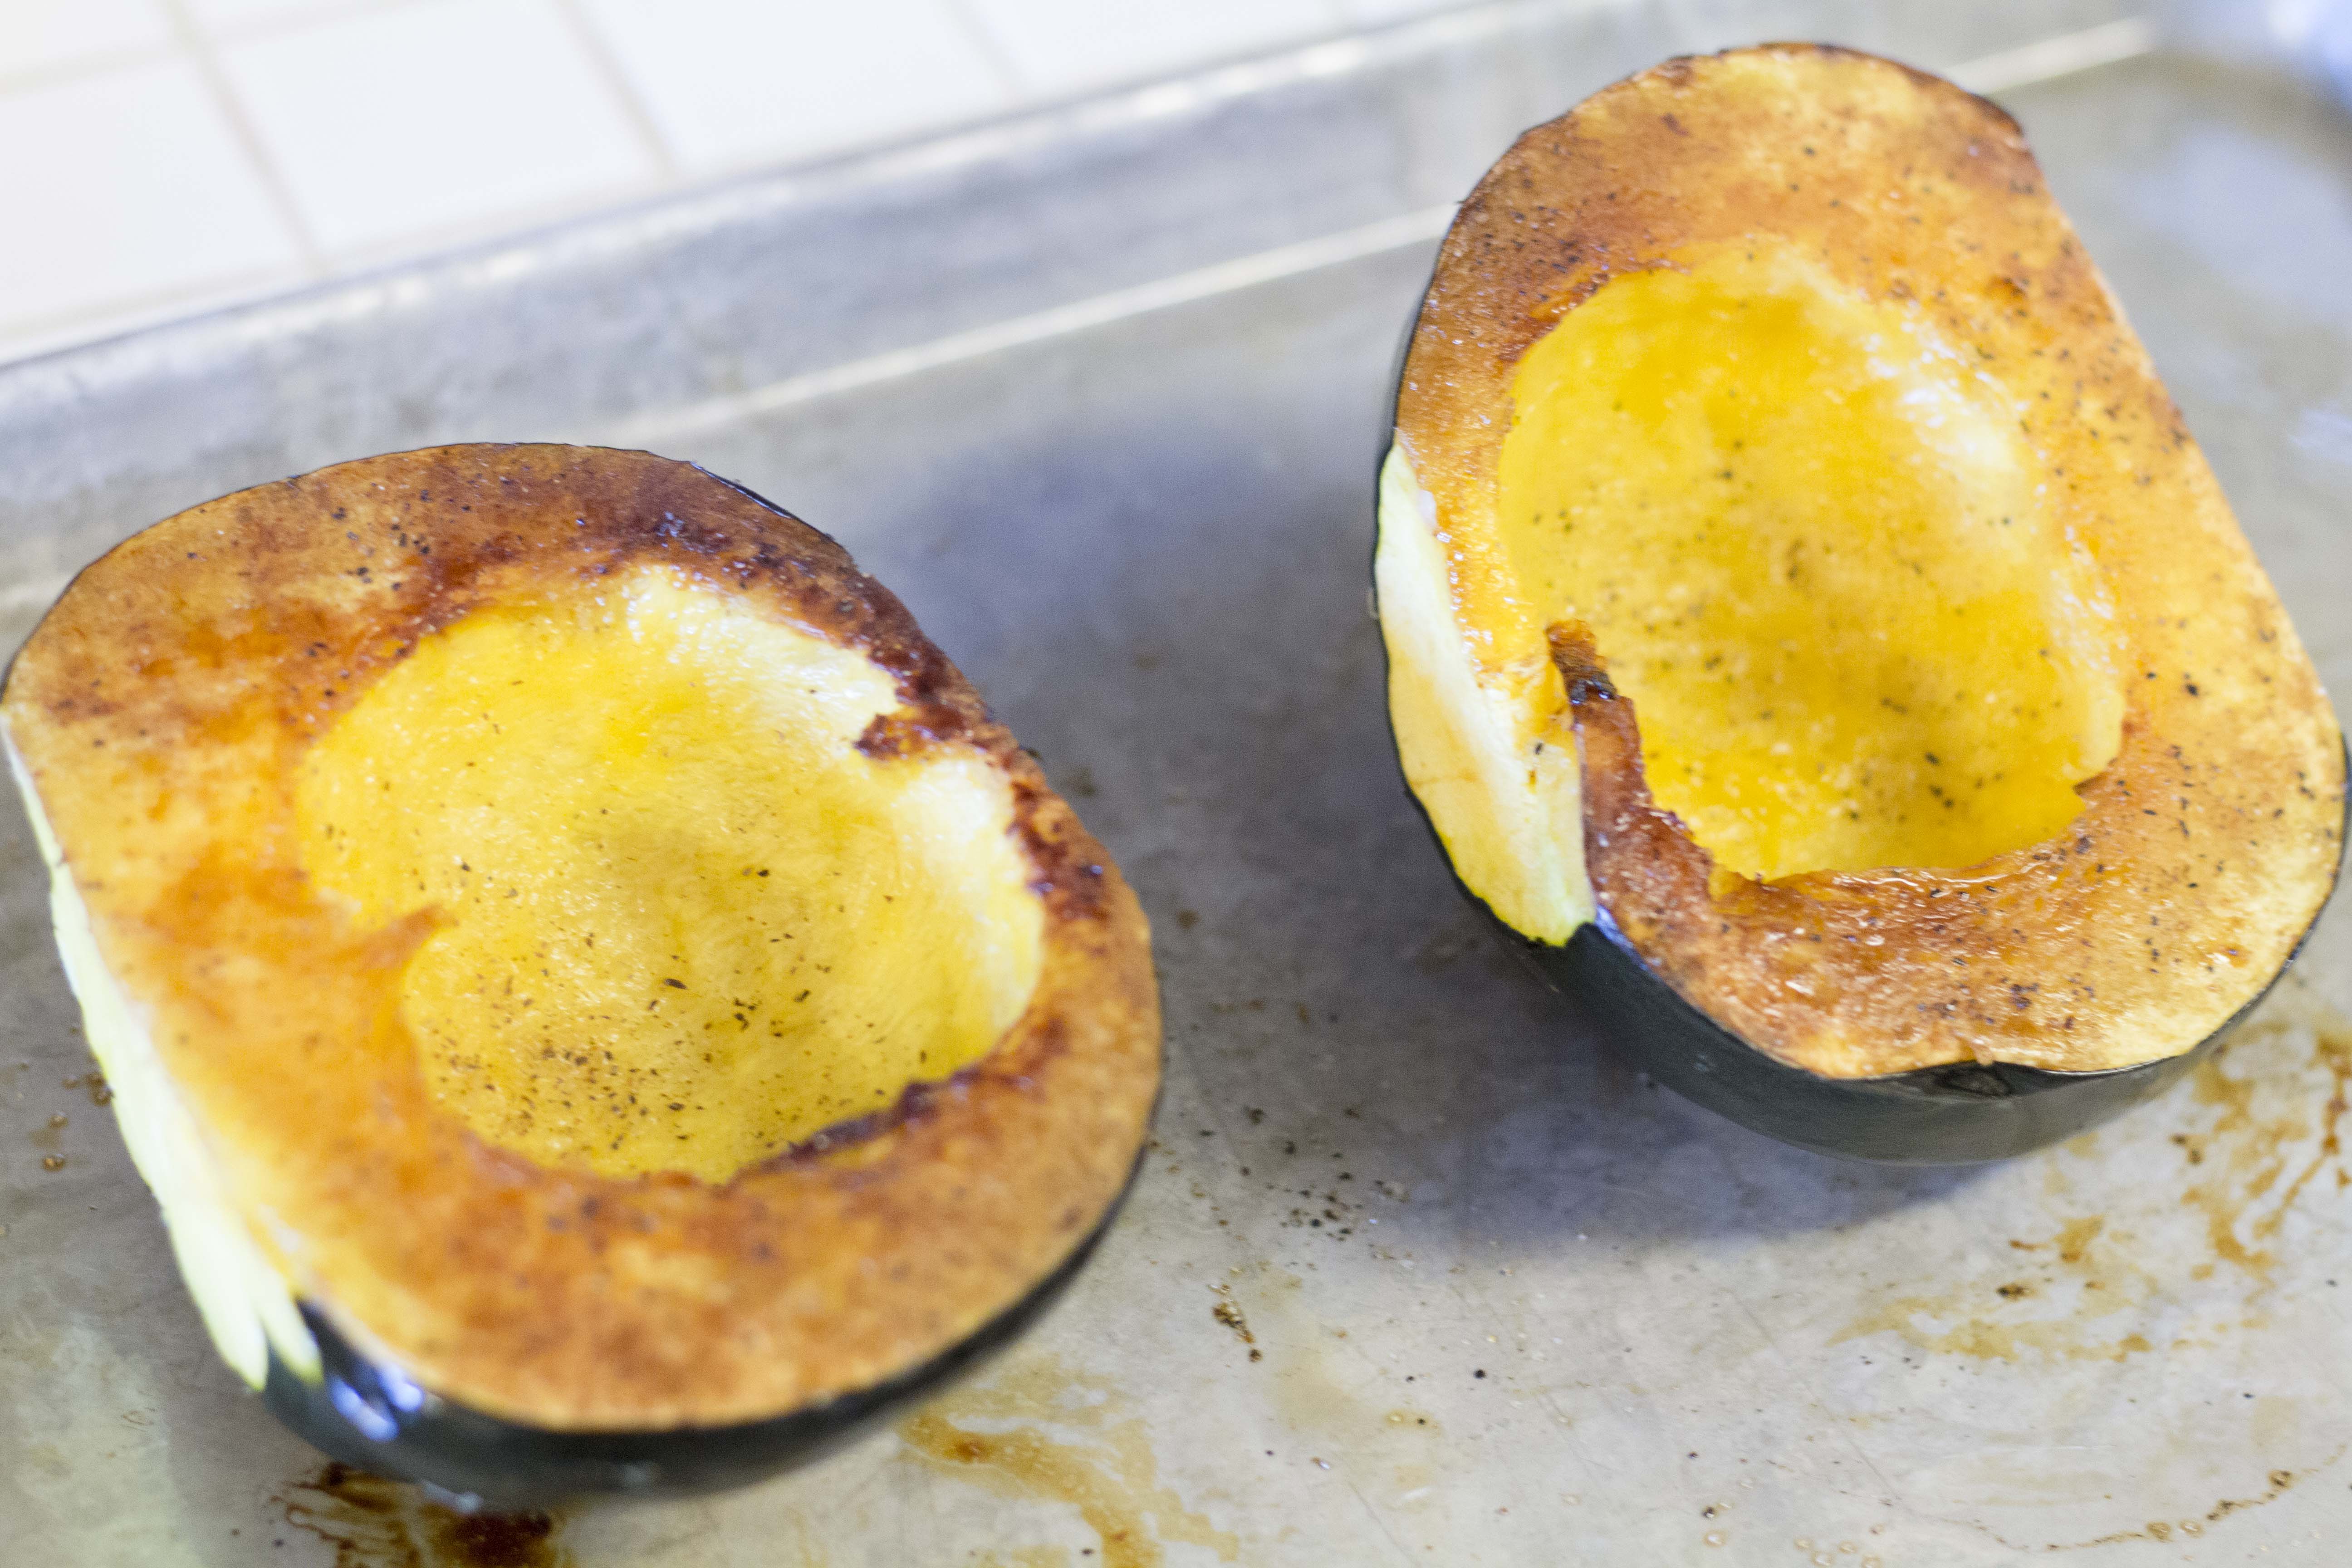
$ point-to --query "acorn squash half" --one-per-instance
(1812, 631)
(600, 1002)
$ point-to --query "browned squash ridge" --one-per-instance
(161, 712)
(2203, 850)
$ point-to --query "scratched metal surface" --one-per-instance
(1509, 1303)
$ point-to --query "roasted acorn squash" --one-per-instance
(601, 1004)
(1978, 780)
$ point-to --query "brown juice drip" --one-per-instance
(372, 1522)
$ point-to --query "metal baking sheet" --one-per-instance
(1417, 1273)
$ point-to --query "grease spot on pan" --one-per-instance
(1038, 1431)
(2256, 1133)
(372, 1523)
(2281, 1482)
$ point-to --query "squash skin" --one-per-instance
(1962, 1114)
(853, 1270)
(482, 1461)
(1515, 261)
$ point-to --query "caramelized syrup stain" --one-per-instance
(2255, 1131)
(1007, 1434)
(2258, 1151)
(2264, 1124)
(375, 1523)
(1228, 1311)
(2281, 1482)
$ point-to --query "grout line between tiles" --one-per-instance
(624, 89)
(2049, 60)
(202, 55)
(991, 50)
(2046, 61)
(301, 21)
(36, 78)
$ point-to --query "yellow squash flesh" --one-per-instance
(685, 921)
(1821, 558)
(543, 908)
(1969, 728)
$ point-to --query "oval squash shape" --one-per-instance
(601, 1004)
(1813, 632)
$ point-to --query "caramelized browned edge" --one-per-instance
(163, 708)
(2204, 850)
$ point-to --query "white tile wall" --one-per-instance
(224, 16)
(160, 157)
(39, 35)
(1061, 47)
(1370, 13)
(429, 118)
(126, 188)
(726, 84)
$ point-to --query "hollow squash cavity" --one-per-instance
(686, 920)
(1813, 547)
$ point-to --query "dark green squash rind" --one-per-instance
(1962, 1114)
(477, 1461)
(1959, 1114)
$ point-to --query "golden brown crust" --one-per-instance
(1858, 975)
(2205, 850)
(162, 707)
